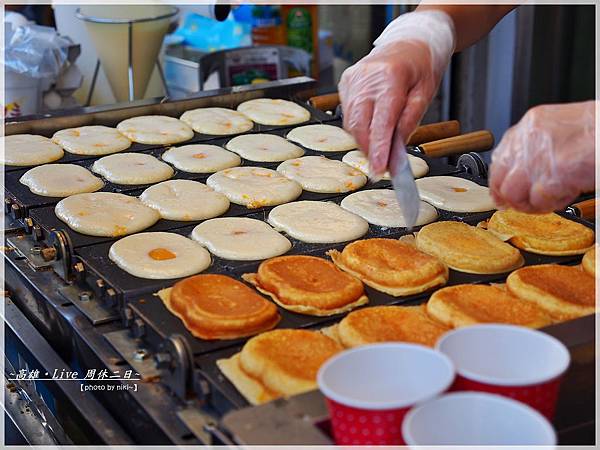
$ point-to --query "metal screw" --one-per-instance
(37, 233)
(15, 211)
(85, 296)
(140, 354)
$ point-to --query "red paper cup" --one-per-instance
(512, 361)
(369, 389)
(476, 418)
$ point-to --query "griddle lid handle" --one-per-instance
(477, 141)
(325, 102)
(434, 132)
(585, 209)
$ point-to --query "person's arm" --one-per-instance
(471, 22)
(385, 95)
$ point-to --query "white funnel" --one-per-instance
(127, 39)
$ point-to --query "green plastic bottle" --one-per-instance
(299, 29)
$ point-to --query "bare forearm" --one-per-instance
(471, 22)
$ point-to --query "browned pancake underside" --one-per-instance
(218, 307)
(308, 281)
(542, 233)
(468, 304)
(468, 249)
(390, 324)
(390, 262)
(564, 282)
(287, 361)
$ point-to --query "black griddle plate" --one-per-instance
(316, 116)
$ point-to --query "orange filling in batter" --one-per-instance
(161, 254)
(459, 189)
(200, 155)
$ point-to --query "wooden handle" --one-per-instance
(434, 132)
(586, 209)
(477, 141)
(326, 102)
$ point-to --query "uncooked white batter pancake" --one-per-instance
(240, 239)
(155, 130)
(455, 194)
(254, 187)
(60, 180)
(30, 150)
(320, 174)
(159, 255)
(318, 222)
(132, 168)
(358, 160)
(324, 138)
(201, 158)
(217, 121)
(264, 147)
(268, 111)
(184, 200)
(105, 214)
(91, 140)
(380, 207)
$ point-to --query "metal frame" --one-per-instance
(87, 18)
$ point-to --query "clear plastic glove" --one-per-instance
(547, 159)
(385, 95)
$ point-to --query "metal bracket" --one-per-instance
(473, 164)
(63, 255)
(137, 357)
(291, 421)
(203, 426)
(174, 360)
(29, 250)
(89, 305)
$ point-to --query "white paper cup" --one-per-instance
(476, 418)
(513, 361)
(369, 389)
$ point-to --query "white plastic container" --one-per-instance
(22, 94)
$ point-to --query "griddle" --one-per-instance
(136, 302)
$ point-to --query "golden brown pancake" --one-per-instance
(219, 307)
(391, 266)
(469, 304)
(308, 285)
(278, 363)
(468, 249)
(565, 292)
(588, 262)
(389, 324)
(545, 234)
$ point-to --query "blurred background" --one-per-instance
(537, 54)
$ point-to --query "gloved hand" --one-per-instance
(385, 94)
(547, 159)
